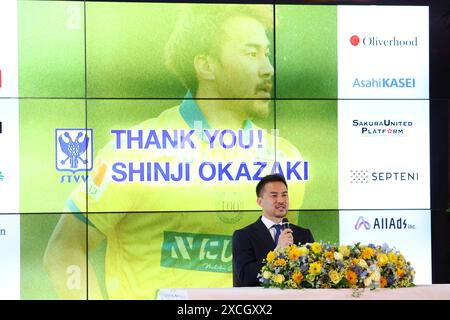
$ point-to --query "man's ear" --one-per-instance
(205, 67)
(258, 201)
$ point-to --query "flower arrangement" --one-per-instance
(321, 265)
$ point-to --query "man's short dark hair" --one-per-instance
(199, 31)
(269, 178)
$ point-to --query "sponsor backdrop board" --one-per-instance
(128, 156)
(384, 154)
(379, 52)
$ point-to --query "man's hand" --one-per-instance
(286, 238)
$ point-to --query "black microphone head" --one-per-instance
(284, 223)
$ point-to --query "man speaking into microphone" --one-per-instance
(252, 243)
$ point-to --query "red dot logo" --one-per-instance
(354, 40)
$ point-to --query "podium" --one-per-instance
(420, 292)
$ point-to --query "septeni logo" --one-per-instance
(383, 223)
(382, 127)
(359, 176)
(365, 176)
(374, 41)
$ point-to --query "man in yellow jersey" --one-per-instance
(168, 193)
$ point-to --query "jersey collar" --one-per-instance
(194, 117)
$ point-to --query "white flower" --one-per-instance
(338, 256)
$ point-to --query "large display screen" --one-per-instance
(132, 137)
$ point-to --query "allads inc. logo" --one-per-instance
(374, 41)
(382, 223)
(361, 222)
(73, 149)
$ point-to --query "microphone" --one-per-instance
(284, 224)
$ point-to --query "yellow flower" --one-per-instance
(400, 261)
(392, 257)
(344, 250)
(382, 260)
(362, 263)
(315, 268)
(367, 253)
(267, 274)
(335, 277)
(297, 277)
(271, 256)
(303, 251)
(316, 247)
(400, 272)
(280, 262)
(376, 275)
(294, 253)
(279, 278)
(329, 255)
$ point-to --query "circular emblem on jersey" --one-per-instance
(230, 205)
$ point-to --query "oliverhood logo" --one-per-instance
(382, 223)
(202, 252)
(365, 176)
(374, 41)
(382, 127)
(73, 149)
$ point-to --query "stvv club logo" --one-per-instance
(74, 149)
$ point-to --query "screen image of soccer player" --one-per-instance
(153, 145)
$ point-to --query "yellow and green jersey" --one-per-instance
(172, 228)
